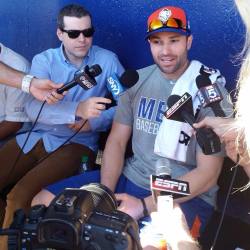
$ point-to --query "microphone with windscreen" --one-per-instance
(129, 78)
(117, 85)
(163, 185)
(162, 168)
(181, 109)
(84, 77)
(209, 94)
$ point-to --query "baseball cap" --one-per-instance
(168, 19)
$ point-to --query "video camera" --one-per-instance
(76, 219)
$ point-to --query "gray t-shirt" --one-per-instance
(142, 108)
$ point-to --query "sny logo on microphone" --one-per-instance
(114, 85)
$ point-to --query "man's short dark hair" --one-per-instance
(72, 10)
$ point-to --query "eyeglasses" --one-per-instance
(76, 33)
(171, 23)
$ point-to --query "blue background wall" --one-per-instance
(28, 27)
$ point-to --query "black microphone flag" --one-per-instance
(85, 78)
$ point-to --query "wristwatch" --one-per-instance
(26, 83)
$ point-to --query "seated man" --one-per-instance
(139, 113)
(57, 123)
(12, 113)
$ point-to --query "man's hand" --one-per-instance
(92, 107)
(45, 90)
(76, 126)
(130, 205)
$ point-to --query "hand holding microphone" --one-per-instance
(221, 126)
(160, 232)
(92, 107)
(181, 109)
(164, 200)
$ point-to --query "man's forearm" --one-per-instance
(41, 89)
(10, 76)
(111, 167)
(199, 182)
(113, 161)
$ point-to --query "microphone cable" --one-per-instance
(51, 153)
(21, 150)
(46, 156)
(26, 140)
(226, 202)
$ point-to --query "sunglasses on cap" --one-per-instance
(170, 23)
(76, 33)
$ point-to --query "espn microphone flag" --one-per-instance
(162, 184)
(174, 187)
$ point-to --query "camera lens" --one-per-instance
(103, 198)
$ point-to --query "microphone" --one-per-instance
(162, 168)
(164, 190)
(181, 109)
(117, 85)
(163, 185)
(84, 77)
(209, 94)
